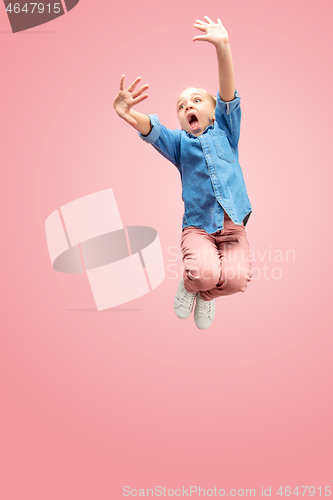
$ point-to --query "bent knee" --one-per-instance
(205, 277)
(237, 282)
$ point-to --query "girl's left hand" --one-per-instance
(215, 32)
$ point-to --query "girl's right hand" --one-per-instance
(126, 99)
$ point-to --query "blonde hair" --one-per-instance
(213, 97)
(210, 95)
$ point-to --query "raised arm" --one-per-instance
(217, 35)
(126, 99)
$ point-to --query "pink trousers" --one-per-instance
(216, 264)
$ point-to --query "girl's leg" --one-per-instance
(202, 265)
(233, 248)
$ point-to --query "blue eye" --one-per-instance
(195, 100)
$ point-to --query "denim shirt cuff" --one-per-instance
(227, 107)
(155, 130)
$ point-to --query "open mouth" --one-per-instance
(193, 121)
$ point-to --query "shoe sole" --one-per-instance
(205, 328)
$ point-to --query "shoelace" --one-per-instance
(187, 299)
(203, 307)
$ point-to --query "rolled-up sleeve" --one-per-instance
(155, 130)
(228, 117)
(164, 140)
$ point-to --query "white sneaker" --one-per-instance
(204, 312)
(184, 300)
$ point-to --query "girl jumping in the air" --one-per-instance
(214, 244)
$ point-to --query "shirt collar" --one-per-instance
(204, 132)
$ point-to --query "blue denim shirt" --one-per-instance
(211, 176)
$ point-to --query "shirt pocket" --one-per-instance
(222, 146)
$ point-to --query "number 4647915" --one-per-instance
(40, 8)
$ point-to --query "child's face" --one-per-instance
(196, 110)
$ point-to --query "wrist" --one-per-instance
(222, 44)
(223, 51)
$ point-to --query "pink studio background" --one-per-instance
(132, 396)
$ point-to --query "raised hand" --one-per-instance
(215, 32)
(126, 99)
